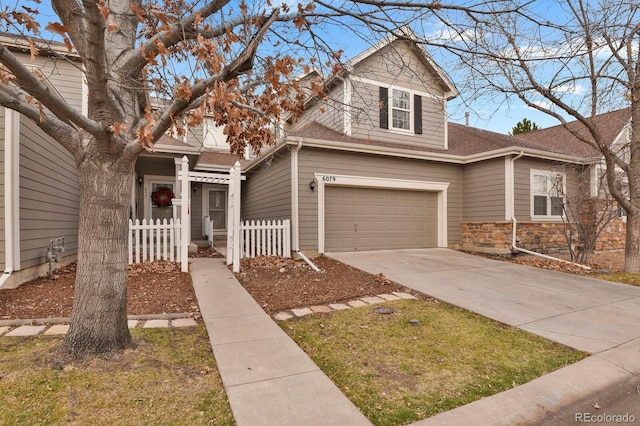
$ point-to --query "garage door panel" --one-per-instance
(385, 218)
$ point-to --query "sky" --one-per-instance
(486, 113)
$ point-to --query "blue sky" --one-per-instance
(487, 113)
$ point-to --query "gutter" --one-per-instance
(514, 247)
(11, 139)
(420, 155)
(295, 211)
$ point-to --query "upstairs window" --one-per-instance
(547, 189)
(400, 110)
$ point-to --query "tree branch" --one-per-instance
(34, 87)
(62, 132)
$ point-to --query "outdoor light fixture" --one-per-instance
(312, 185)
(140, 180)
(194, 188)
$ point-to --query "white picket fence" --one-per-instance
(151, 241)
(265, 238)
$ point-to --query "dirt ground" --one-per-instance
(276, 284)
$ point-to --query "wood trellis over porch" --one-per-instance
(233, 179)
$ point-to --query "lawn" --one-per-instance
(426, 357)
(169, 379)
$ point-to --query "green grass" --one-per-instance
(398, 373)
(169, 379)
(619, 277)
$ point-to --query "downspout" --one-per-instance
(11, 137)
(295, 216)
(514, 222)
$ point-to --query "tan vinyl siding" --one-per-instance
(354, 164)
(266, 194)
(397, 65)
(484, 191)
(522, 185)
(49, 199)
(2, 192)
(194, 136)
(62, 75)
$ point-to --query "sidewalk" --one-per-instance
(269, 380)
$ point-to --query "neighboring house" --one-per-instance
(39, 195)
(378, 167)
(39, 187)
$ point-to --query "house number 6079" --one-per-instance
(328, 178)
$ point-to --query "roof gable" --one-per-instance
(406, 36)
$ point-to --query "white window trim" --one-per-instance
(548, 174)
(597, 174)
(324, 179)
(411, 110)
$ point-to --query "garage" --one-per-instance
(360, 218)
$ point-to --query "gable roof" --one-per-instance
(406, 34)
(402, 34)
(559, 139)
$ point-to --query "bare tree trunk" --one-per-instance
(99, 317)
(632, 247)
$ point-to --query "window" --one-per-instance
(218, 208)
(400, 111)
(547, 189)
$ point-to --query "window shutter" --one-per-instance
(384, 108)
(417, 114)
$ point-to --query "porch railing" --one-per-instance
(151, 241)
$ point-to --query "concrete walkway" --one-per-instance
(269, 380)
(592, 315)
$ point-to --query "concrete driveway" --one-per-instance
(583, 313)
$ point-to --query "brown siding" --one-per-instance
(266, 194)
(49, 198)
(323, 161)
(484, 192)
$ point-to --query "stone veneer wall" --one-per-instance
(495, 237)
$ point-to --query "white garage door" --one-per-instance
(377, 219)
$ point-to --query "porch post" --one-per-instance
(236, 177)
(185, 215)
(230, 215)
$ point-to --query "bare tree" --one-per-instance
(231, 60)
(587, 210)
(572, 60)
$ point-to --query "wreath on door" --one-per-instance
(162, 196)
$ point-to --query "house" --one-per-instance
(39, 188)
(377, 166)
(39, 185)
(372, 165)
